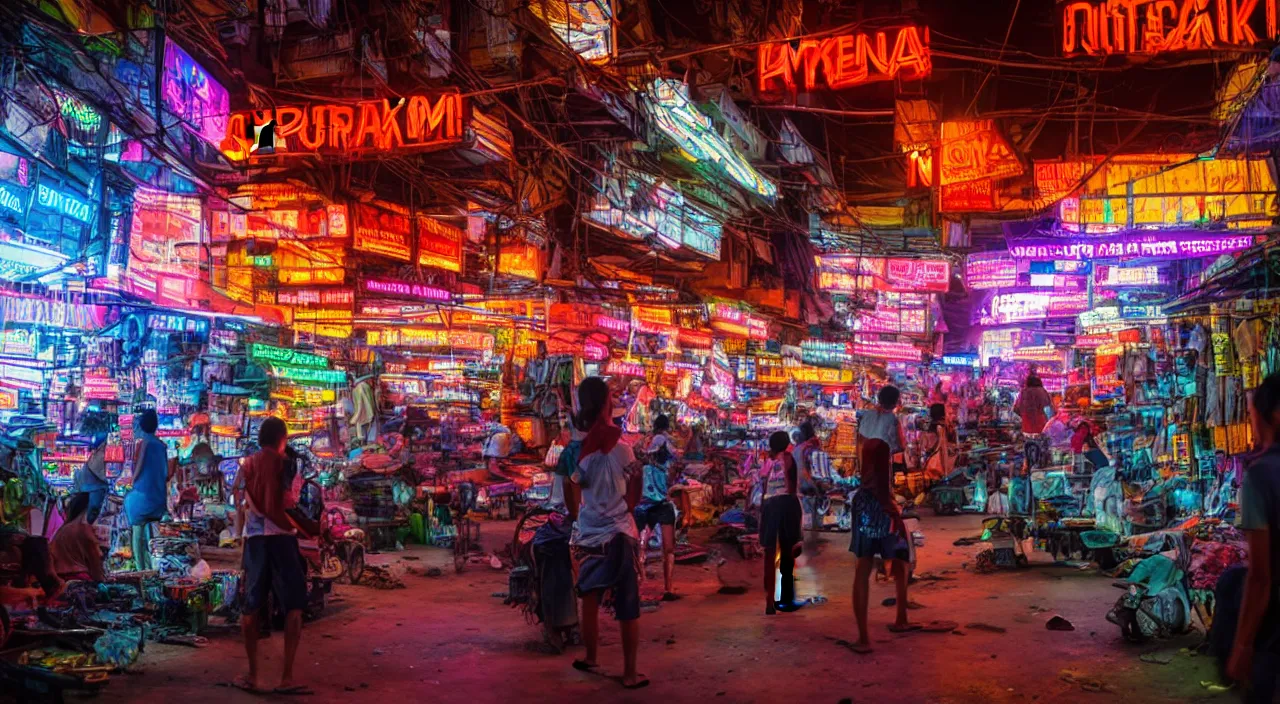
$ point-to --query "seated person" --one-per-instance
(27, 557)
(75, 549)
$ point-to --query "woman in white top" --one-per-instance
(605, 542)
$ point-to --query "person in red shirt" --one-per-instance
(272, 562)
(1030, 406)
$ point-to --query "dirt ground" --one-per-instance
(449, 639)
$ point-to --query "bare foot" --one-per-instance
(904, 627)
(770, 609)
(635, 681)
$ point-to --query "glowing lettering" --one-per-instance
(406, 289)
(11, 201)
(63, 203)
(371, 126)
(1104, 27)
(846, 61)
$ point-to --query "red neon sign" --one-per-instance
(846, 60)
(440, 245)
(1102, 27)
(387, 125)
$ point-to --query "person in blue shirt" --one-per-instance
(655, 510)
(145, 502)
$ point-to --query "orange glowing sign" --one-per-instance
(423, 337)
(973, 150)
(440, 245)
(381, 232)
(846, 60)
(369, 126)
(521, 260)
(1102, 27)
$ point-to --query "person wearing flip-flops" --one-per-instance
(878, 529)
(605, 543)
(272, 562)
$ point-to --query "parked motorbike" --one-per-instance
(330, 548)
(541, 583)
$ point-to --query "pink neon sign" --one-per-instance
(406, 289)
(880, 349)
(990, 270)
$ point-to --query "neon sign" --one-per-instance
(190, 93)
(19, 260)
(973, 150)
(605, 322)
(440, 245)
(310, 376)
(619, 368)
(11, 199)
(586, 26)
(381, 232)
(1116, 276)
(281, 356)
(406, 289)
(846, 60)
(893, 351)
(316, 297)
(1104, 27)
(520, 260)
(419, 337)
(675, 115)
(1021, 307)
(844, 273)
(369, 126)
(990, 270)
(43, 311)
(967, 359)
(1168, 246)
(638, 205)
(1045, 353)
(63, 203)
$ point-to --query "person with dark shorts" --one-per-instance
(780, 515)
(656, 512)
(878, 530)
(1254, 659)
(272, 564)
(605, 544)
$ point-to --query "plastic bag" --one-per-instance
(201, 571)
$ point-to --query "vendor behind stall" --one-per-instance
(75, 550)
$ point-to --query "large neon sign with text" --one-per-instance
(387, 125)
(1102, 27)
(846, 60)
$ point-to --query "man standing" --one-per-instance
(1256, 649)
(271, 558)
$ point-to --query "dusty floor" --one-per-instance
(446, 639)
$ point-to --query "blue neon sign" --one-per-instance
(64, 203)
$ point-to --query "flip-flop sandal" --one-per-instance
(640, 683)
(244, 685)
(939, 627)
(584, 666)
(855, 647)
(671, 596)
(295, 690)
(909, 628)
